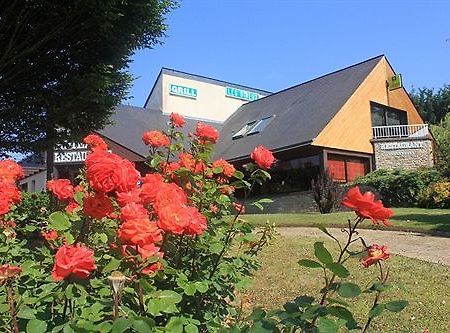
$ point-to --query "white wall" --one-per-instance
(36, 182)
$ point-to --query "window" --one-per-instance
(383, 115)
(346, 168)
(253, 127)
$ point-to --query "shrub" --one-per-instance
(435, 195)
(326, 192)
(399, 188)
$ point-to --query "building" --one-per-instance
(348, 122)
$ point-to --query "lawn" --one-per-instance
(280, 279)
(404, 219)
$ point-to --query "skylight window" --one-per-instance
(253, 127)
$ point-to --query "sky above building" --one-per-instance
(275, 44)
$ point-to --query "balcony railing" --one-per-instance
(400, 131)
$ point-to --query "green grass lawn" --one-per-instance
(280, 279)
(405, 219)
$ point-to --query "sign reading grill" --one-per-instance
(241, 94)
(183, 91)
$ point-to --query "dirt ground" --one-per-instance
(414, 245)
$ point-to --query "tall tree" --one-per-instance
(63, 65)
(433, 105)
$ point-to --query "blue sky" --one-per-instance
(274, 44)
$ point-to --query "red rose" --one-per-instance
(262, 157)
(187, 161)
(206, 133)
(365, 206)
(169, 193)
(374, 254)
(240, 208)
(71, 206)
(133, 211)
(73, 259)
(139, 232)
(61, 188)
(197, 223)
(155, 139)
(107, 172)
(8, 271)
(50, 235)
(153, 182)
(177, 120)
(173, 217)
(133, 196)
(227, 168)
(9, 195)
(170, 168)
(97, 206)
(95, 142)
(10, 171)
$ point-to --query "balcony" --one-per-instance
(400, 131)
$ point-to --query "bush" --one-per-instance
(435, 195)
(399, 188)
(326, 192)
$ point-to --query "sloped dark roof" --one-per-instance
(300, 112)
(130, 122)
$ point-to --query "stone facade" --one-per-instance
(404, 153)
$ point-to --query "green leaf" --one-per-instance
(36, 326)
(112, 265)
(190, 328)
(396, 306)
(175, 325)
(322, 253)
(349, 290)
(26, 313)
(238, 174)
(309, 263)
(338, 269)
(78, 197)
(202, 286)
(164, 301)
(59, 221)
(190, 289)
(216, 248)
(143, 325)
(376, 311)
(327, 325)
(120, 325)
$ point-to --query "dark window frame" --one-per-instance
(387, 109)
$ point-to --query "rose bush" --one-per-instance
(126, 252)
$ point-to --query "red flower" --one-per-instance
(97, 206)
(10, 171)
(73, 259)
(50, 235)
(365, 206)
(95, 142)
(239, 208)
(155, 139)
(71, 206)
(262, 157)
(153, 182)
(133, 211)
(227, 168)
(9, 195)
(169, 193)
(173, 217)
(177, 120)
(7, 272)
(107, 172)
(61, 188)
(206, 133)
(140, 232)
(213, 208)
(197, 223)
(187, 161)
(374, 254)
(133, 196)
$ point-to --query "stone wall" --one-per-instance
(404, 153)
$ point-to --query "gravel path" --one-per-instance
(408, 244)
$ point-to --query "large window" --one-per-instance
(346, 168)
(383, 115)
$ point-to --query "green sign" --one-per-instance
(395, 82)
(241, 94)
(183, 91)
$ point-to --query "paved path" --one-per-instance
(408, 244)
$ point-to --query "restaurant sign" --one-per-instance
(71, 153)
(241, 94)
(182, 91)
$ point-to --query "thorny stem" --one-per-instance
(141, 300)
(12, 307)
(383, 279)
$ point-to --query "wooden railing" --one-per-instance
(400, 131)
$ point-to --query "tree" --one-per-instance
(442, 135)
(432, 105)
(63, 65)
